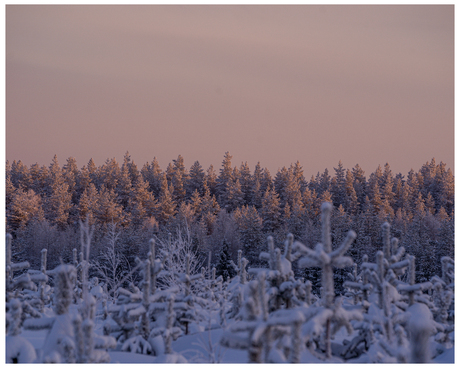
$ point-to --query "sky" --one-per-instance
(363, 84)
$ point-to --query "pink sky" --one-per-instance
(275, 84)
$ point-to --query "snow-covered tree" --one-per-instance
(327, 258)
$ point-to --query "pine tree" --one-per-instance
(38, 178)
(59, 205)
(280, 182)
(235, 196)
(292, 192)
(310, 203)
(376, 198)
(124, 185)
(211, 180)
(447, 191)
(209, 209)
(195, 180)
(313, 184)
(246, 183)
(413, 185)
(325, 182)
(387, 185)
(134, 172)
(250, 231)
(166, 204)
(297, 171)
(224, 180)
(270, 211)
(367, 239)
(359, 183)
(375, 179)
(351, 198)
(142, 203)
(20, 175)
(338, 187)
(266, 180)
(179, 178)
(110, 174)
(9, 194)
(195, 202)
(224, 267)
(108, 209)
(429, 203)
(153, 175)
(95, 174)
(55, 176)
(256, 197)
(437, 184)
(70, 173)
(25, 206)
(326, 196)
(88, 205)
(401, 197)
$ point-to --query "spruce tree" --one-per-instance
(70, 172)
(179, 179)
(166, 204)
(250, 232)
(95, 173)
(338, 188)
(20, 175)
(246, 183)
(88, 204)
(195, 180)
(109, 174)
(224, 266)
(224, 181)
(359, 183)
(25, 206)
(124, 185)
(108, 209)
(270, 211)
(153, 175)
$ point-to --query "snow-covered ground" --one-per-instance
(204, 347)
(262, 315)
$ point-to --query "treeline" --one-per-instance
(234, 208)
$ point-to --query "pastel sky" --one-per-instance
(276, 84)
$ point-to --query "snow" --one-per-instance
(20, 350)
(264, 316)
(446, 357)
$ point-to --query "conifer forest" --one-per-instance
(121, 263)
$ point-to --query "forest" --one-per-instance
(154, 255)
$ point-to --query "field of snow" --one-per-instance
(262, 315)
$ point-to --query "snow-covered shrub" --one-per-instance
(155, 266)
(168, 332)
(23, 288)
(420, 326)
(18, 349)
(15, 285)
(59, 345)
(235, 286)
(443, 300)
(71, 337)
(111, 265)
(282, 289)
(253, 314)
(123, 314)
(324, 257)
(268, 337)
(177, 254)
